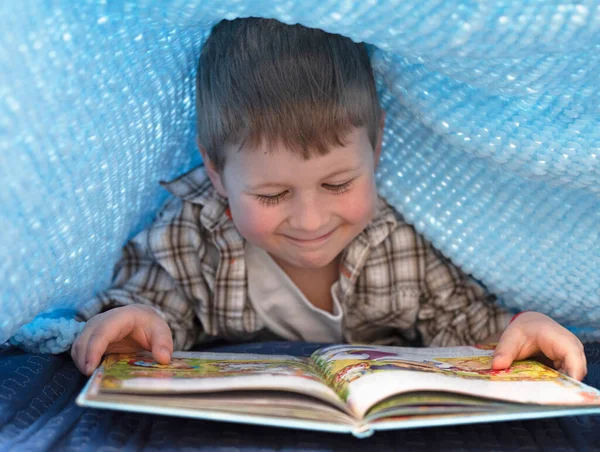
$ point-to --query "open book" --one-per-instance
(340, 388)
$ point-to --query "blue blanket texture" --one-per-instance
(492, 146)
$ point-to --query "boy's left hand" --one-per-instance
(532, 333)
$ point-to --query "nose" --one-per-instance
(309, 214)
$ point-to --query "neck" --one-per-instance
(314, 283)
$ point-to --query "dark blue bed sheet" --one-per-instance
(38, 412)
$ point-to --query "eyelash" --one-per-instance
(339, 188)
(273, 200)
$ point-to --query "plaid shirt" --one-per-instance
(394, 287)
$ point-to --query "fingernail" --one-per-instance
(165, 350)
(88, 368)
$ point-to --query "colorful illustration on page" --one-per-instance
(480, 367)
(345, 364)
(118, 368)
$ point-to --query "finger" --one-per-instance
(80, 345)
(112, 328)
(508, 350)
(567, 354)
(162, 342)
(77, 355)
(575, 366)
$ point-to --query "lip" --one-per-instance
(311, 242)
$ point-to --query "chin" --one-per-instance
(315, 263)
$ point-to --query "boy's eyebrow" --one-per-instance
(281, 185)
(343, 171)
(265, 185)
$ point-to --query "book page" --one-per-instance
(366, 375)
(197, 372)
(260, 403)
(428, 403)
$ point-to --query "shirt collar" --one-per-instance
(195, 187)
(384, 222)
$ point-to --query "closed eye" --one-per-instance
(272, 200)
(339, 188)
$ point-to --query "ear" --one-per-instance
(211, 171)
(379, 139)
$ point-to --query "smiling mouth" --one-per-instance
(319, 239)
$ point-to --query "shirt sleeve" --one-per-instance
(454, 308)
(144, 275)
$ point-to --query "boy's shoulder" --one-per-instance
(193, 186)
(195, 198)
(388, 224)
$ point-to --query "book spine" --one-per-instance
(363, 431)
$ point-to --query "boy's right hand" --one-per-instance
(122, 330)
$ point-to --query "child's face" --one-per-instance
(302, 212)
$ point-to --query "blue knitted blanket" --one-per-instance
(492, 147)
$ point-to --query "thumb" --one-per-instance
(161, 341)
(507, 350)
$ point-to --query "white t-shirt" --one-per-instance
(283, 307)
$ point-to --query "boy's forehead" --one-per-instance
(255, 165)
(270, 145)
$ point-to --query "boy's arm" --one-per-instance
(455, 309)
(140, 278)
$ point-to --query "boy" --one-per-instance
(282, 234)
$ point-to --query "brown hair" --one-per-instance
(261, 81)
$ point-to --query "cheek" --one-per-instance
(254, 223)
(360, 205)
